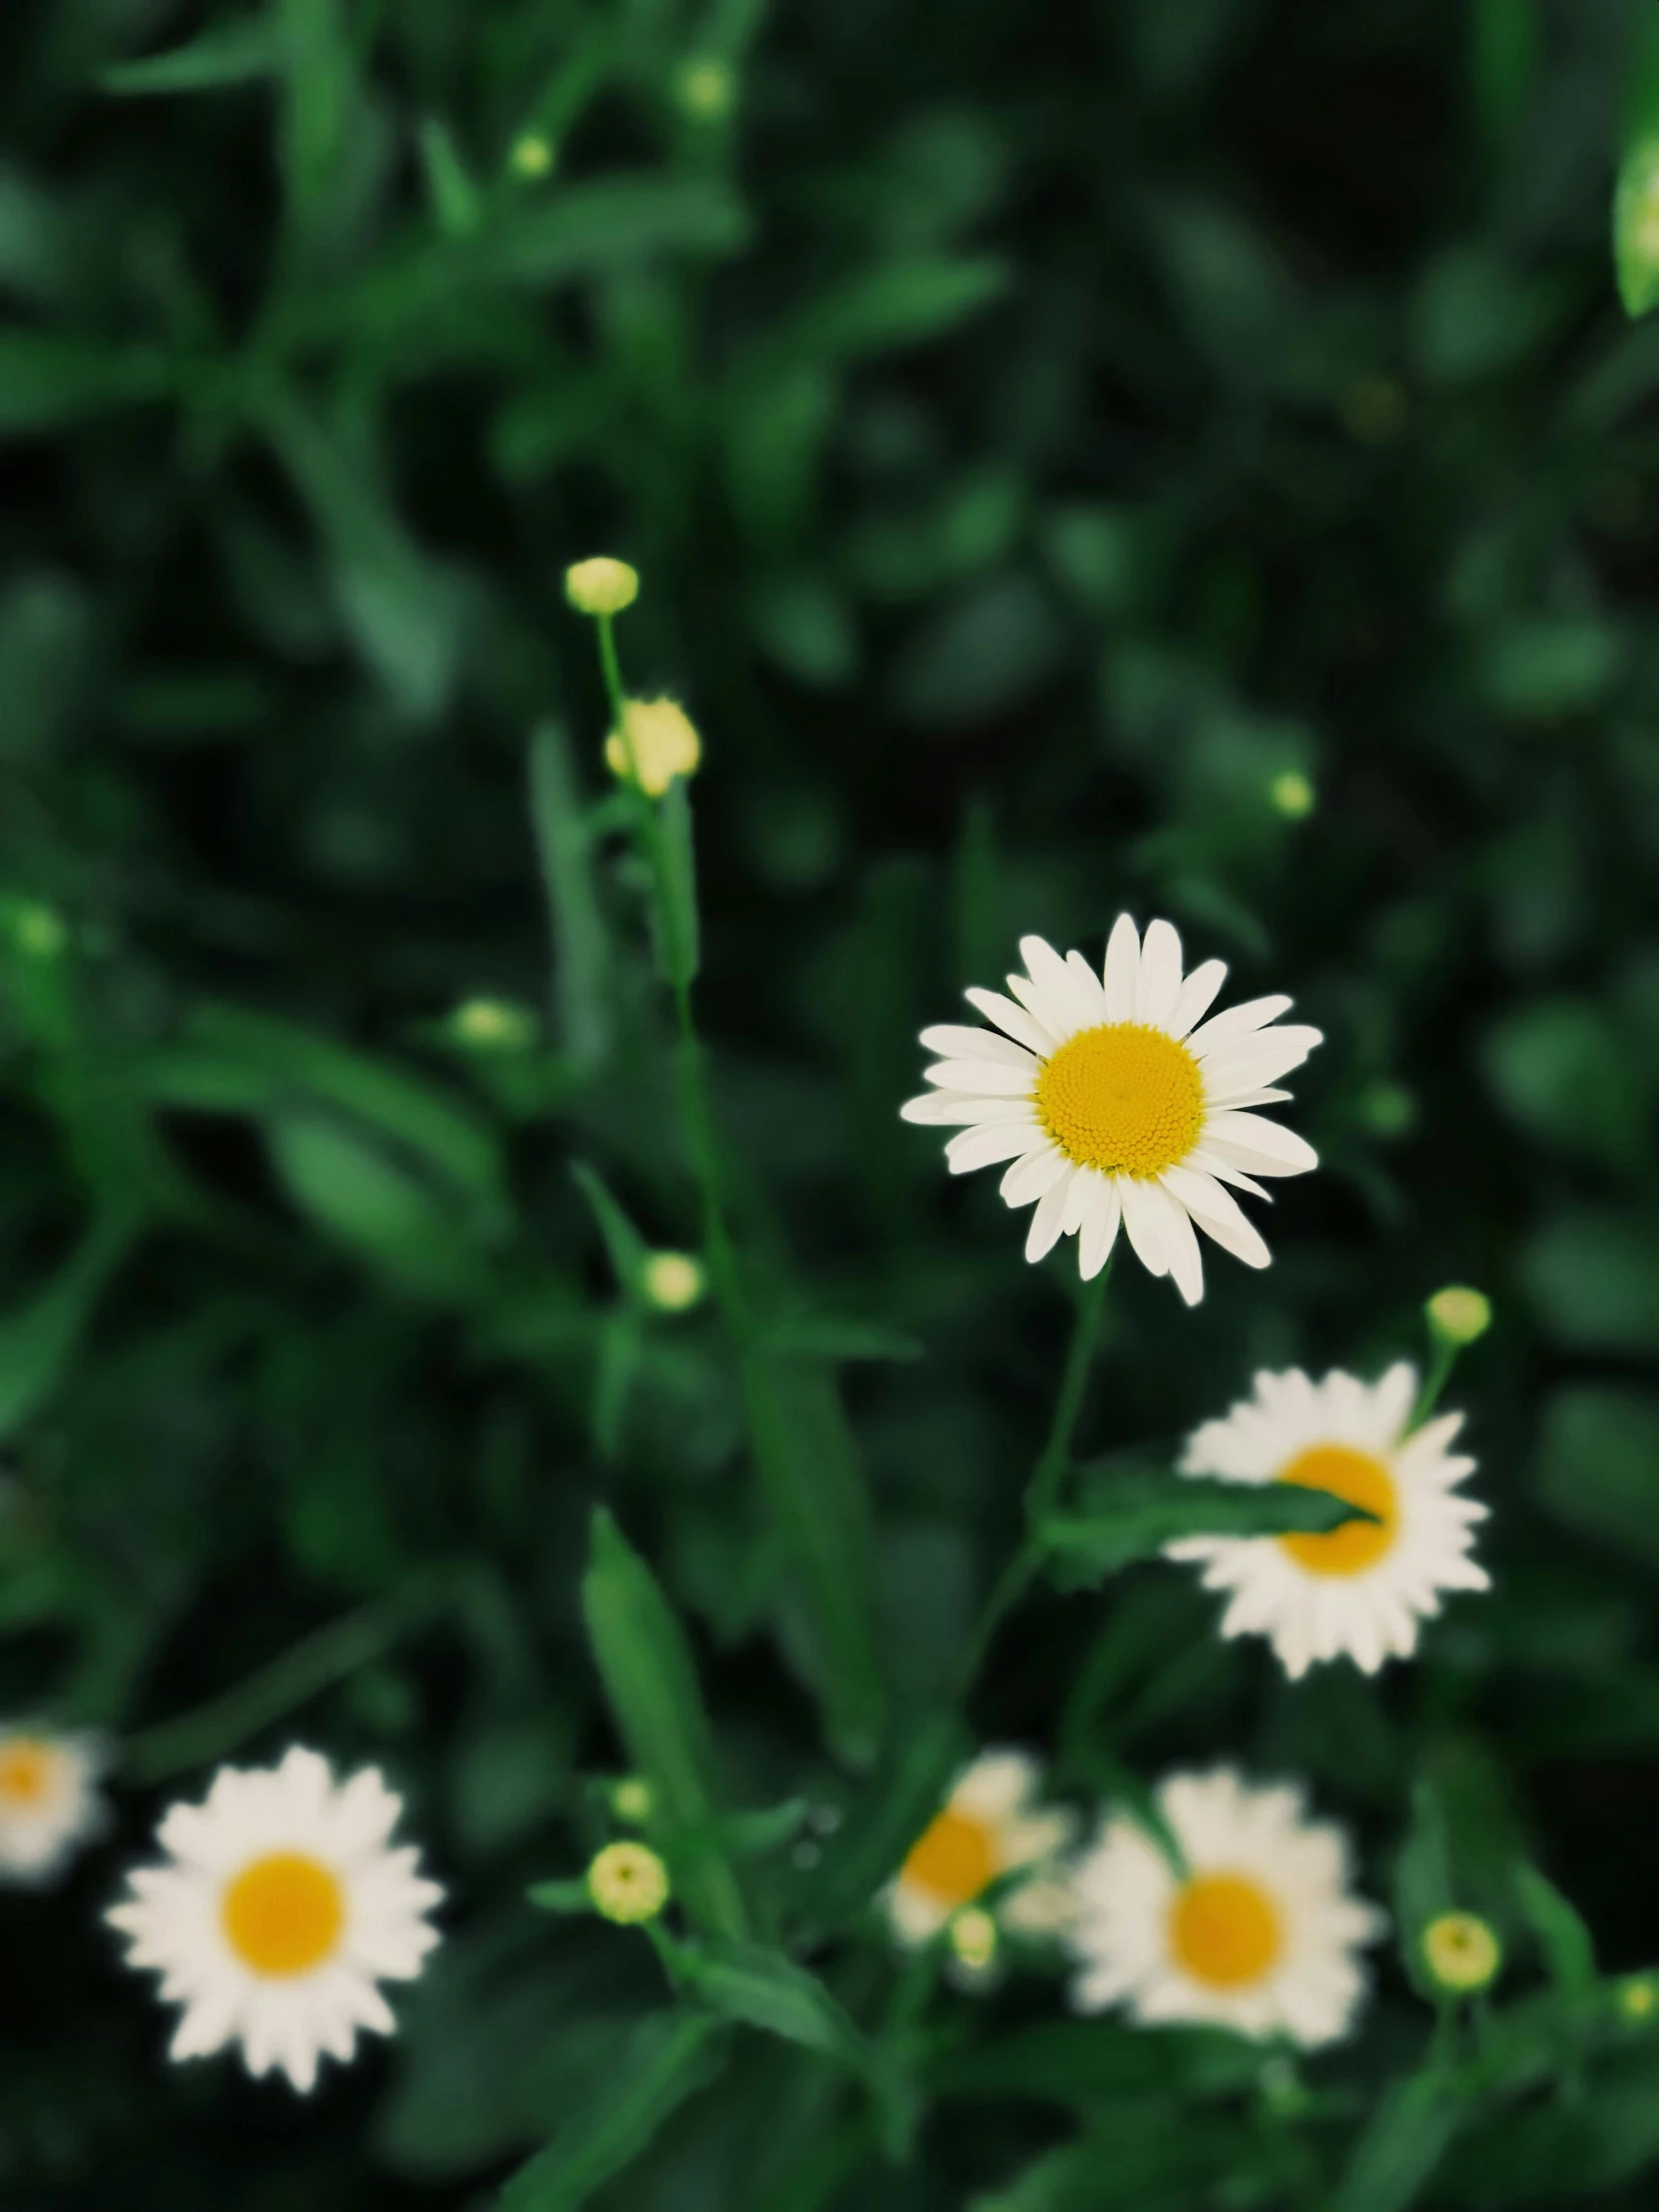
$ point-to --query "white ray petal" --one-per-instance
(1044, 1233)
(1159, 984)
(1058, 985)
(1143, 1218)
(1018, 1024)
(945, 1108)
(988, 1145)
(1122, 969)
(1028, 1178)
(1264, 1147)
(1196, 996)
(1218, 1214)
(954, 1040)
(1100, 1229)
(982, 1078)
(1236, 1021)
(1090, 988)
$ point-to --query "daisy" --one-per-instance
(49, 1801)
(1114, 1101)
(278, 1909)
(1364, 1587)
(988, 1830)
(1259, 1935)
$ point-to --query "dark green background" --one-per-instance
(1037, 429)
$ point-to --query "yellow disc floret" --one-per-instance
(1461, 1952)
(26, 1763)
(627, 1884)
(954, 1859)
(1357, 1478)
(1225, 1930)
(1123, 1098)
(283, 1913)
(657, 743)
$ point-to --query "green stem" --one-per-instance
(1441, 1361)
(1042, 1492)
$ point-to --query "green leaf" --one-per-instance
(674, 914)
(361, 1199)
(238, 53)
(1593, 1279)
(979, 654)
(455, 196)
(49, 382)
(1395, 2157)
(820, 1337)
(627, 1249)
(668, 2059)
(1598, 1465)
(560, 1897)
(38, 1340)
(891, 1812)
(588, 229)
(1562, 1936)
(1507, 45)
(581, 946)
(764, 1989)
(1561, 1069)
(814, 1483)
(906, 303)
(1133, 1516)
(1637, 224)
(1423, 1882)
(651, 1685)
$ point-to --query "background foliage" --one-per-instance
(1040, 432)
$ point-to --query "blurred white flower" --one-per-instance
(278, 1911)
(49, 1800)
(1116, 1102)
(1259, 1935)
(988, 1828)
(1364, 1587)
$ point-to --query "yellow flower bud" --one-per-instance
(672, 1281)
(600, 586)
(1458, 1313)
(627, 1884)
(492, 1024)
(632, 1800)
(973, 1938)
(705, 88)
(1461, 1952)
(532, 155)
(1292, 795)
(656, 744)
(1639, 1996)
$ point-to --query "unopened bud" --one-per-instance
(627, 1884)
(1461, 1952)
(1458, 1313)
(672, 1281)
(600, 586)
(655, 742)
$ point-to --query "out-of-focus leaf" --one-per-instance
(1477, 316)
(1562, 1936)
(1229, 284)
(891, 1812)
(1598, 1465)
(455, 198)
(668, 2059)
(235, 53)
(581, 950)
(651, 1683)
(820, 1337)
(1087, 2062)
(363, 1200)
(1593, 1279)
(1560, 1068)
(678, 936)
(1133, 1516)
(1539, 671)
(47, 382)
(979, 655)
(1405, 2139)
(749, 1982)
(1422, 1880)
(39, 1340)
(803, 624)
(44, 624)
(906, 303)
(1508, 44)
(628, 1250)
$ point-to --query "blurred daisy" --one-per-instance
(988, 1830)
(49, 1801)
(1260, 1934)
(1364, 1587)
(279, 1908)
(1114, 1101)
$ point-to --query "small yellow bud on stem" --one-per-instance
(673, 1282)
(1460, 1952)
(655, 742)
(600, 586)
(627, 1884)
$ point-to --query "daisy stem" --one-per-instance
(1441, 1361)
(1042, 1492)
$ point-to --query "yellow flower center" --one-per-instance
(1359, 1478)
(283, 1915)
(25, 1771)
(1122, 1098)
(1225, 1930)
(953, 1858)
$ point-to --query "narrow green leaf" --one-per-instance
(822, 1336)
(1395, 2157)
(741, 1835)
(593, 227)
(906, 303)
(365, 1201)
(626, 1247)
(1133, 1516)
(1423, 1882)
(455, 198)
(651, 1685)
(1507, 45)
(560, 1897)
(319, 102)
(749, 1982)
(38, 1340)
(238, 53)
(808, 1466)
(890, 1812)
(668, 2059)
(581, 947)
(47, 382)
(1565, 1941)
(679, 953)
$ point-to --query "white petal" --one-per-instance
(953, 1040)
(1099, 1231)
(982, 1078)
(1218, 1214)
(944, 1108)
(1236, 1021)
(987, 1147)
(1203, 1162)
(1014, 1020)
(1255, 1060)
(1080, 1199)
(1044, 1233)
(1028, 1178)
(1080, 1000)
(1143, 1218)
(1051, 1013)
(1122, 970)
(1196, 996)
(1262, 1146)
(1186, 1262)
(1159, 984)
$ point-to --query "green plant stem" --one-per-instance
(1441, 1361)
(1043, 1491)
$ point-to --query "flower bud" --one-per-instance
(1461, 1952)
(1292, 795)
(672, 1281)
(632, 1800)
(532, 155)
(705, 90)
(1638, 1996)
(656, 744)
(600, 586)
(492, 1025)
(1460, 1315)
(973, 1938)
(627, 1884)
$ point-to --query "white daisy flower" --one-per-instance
(49, 1800)
(1259, 1937)
(1364, 1587)
(988, 1828)
(1115, 1101)
(278, 1911)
